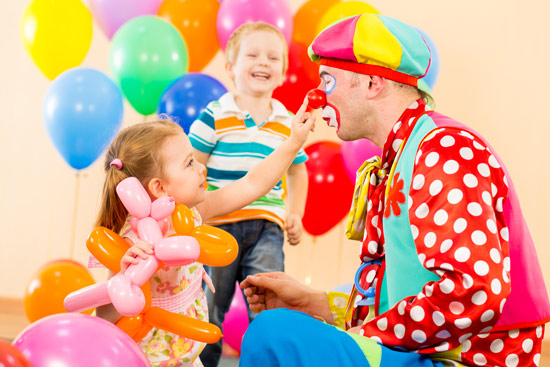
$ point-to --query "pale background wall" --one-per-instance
(493, 76)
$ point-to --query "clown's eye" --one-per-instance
(330, 83)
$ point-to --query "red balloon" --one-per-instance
(330, 190)
(298, 79)
(10, 356)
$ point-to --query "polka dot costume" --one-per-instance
(455, 207)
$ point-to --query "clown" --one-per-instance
(444, 242)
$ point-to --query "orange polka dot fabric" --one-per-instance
(455, 207)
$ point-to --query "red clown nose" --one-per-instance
(316, 98)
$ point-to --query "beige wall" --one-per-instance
(493, 76)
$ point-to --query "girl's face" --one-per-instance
(183, 175)
(258, 67)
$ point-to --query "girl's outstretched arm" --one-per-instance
(263, 176)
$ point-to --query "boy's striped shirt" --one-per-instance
(235, 144)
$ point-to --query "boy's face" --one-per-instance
(258, 67)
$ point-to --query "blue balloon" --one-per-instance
(433, 71)
(188, 96)
(82, 112)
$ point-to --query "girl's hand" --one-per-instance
(302, 123)
(140, 249)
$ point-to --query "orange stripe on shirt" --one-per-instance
(276, 128)
(229, 123)
(246, 214)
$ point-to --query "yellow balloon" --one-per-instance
(57, 34)
(343, 10)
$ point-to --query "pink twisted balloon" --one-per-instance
(150, 221)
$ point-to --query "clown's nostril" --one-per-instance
(316, 98)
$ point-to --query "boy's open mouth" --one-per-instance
(260, 75)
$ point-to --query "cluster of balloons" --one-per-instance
(154, 45)
(57, 338)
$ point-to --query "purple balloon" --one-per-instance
(355, 152)
(234, 13)
(73, 339)
(111, 14)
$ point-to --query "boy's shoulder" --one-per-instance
(224, 105)
(279, 109)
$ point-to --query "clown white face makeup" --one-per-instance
(330, 113)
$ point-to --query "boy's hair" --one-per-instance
(234, 42)
(138, 147)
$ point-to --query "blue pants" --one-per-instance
(260, 250)
(293, 339)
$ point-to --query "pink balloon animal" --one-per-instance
(150, 221)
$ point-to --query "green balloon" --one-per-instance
(147, 54)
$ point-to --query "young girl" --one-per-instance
(160, 156)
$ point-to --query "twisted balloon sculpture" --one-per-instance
(129, 291)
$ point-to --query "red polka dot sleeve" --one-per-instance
(457, 222)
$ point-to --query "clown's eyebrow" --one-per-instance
(324, 73)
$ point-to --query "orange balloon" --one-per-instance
(343, 10)
(107, 247)
(130, 324)
(146, 289)
(218, 247)
(51, 284)
(183, 325)
(142, 332)
(182, 220)
(306, 20)
(196, 21)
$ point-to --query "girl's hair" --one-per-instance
(234, 42)
(139, 149)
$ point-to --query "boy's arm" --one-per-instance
(297, 185)
(263, 176)
(202, 157)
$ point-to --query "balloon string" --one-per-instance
(75, 213)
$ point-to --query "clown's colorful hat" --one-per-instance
(373, 44)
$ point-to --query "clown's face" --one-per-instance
(345, 105)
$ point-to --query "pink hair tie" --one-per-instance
(116, 162)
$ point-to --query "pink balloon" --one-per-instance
(111, 14)
(134, 197)
(234, 13)
(236, 321)
(78, 340)
(355, 152)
